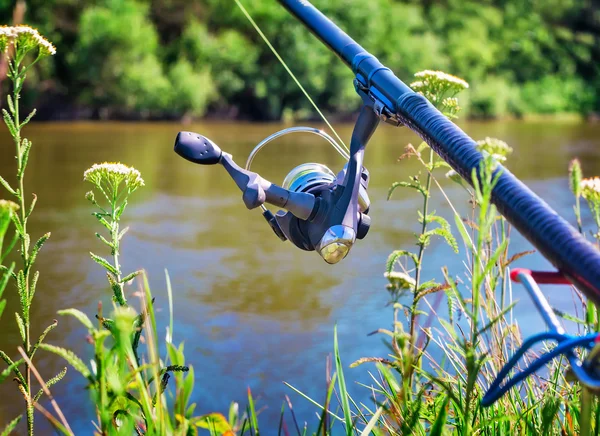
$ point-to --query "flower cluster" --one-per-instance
(25, 39)
(590, 189)
(439, 88)
(399, 281)
(494, 146)
(8, 206)
(450, 107)
(108, 177)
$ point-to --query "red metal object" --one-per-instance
(541, 277)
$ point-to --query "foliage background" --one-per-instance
(190, 58)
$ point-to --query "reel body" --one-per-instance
(321, 211)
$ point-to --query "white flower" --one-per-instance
(439, 76)
(399, 280)
(7, 205)
(25, 38)
(113, 174)
(496, 147)
(416, 86)
(590, 189)
(440, 88)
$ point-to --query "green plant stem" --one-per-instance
(585, 427)
(115, 241)
(24, 245)
(413, 311)
(578, 213)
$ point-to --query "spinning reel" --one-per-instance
(324, 211)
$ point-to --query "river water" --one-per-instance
(253, 311)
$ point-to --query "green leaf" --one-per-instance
(439, 164)
(442, 232)
(395, 255)
(33, 285)
(32, 205)
(103, 239)
(81, 317)
(37, 247)
(103, 262)
(214, 421)
(42, 337)
(9, 248)
(2, 307)
(389, 378)
(23, 296)
(5, 278)
(11, 106)
(188, 386)
(71, 358)
(252, 412)
(342, 385)
(494, 259)
(58, 377)
(21, 325)
(109, 325)
(11, 426)
(463, 233)
(9, 123)
(121, 209)
(117, 289)
(572, 318)
(372, 422)
(12, 366)
(131, 276)
(413, 185)
(122, 233)
(102, 220)
(446, 231)
(25, 148)
(29, 117)
(9, 271)
(7, 186)
(437, 429)
(17, 222)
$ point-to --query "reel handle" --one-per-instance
(255, 190)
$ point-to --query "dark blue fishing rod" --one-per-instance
(397, 104)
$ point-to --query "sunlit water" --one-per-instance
(253, 311)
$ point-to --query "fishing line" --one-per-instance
(266, 40)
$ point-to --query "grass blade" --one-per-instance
(342, 384)
(371, 424)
